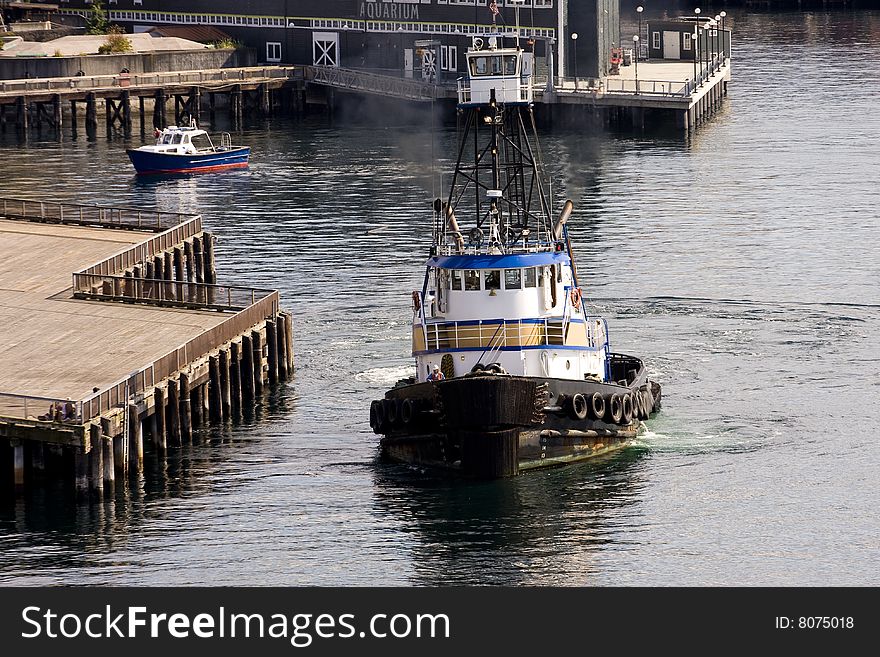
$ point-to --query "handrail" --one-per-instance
(373, 83)
(26, 406)
(90, 215)
(94, 82)
(512, 333)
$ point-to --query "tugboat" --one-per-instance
(512, 372)
(187, 149)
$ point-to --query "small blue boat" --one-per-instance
(188, 150)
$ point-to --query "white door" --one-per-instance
(671, 48)
(429, 64)
(408, 62)
(325, 48)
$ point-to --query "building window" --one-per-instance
(655, 40)
(449, 58)
(273, 51)
(687, 41)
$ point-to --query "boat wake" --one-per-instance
(384, 375)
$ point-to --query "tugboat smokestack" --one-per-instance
(563, 219)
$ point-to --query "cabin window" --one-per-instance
(493, 279)
(512, 279)
(471, 279)
(479, 66)
(177, 138)
(201, 142)
(509, 64)
(531, 277)
(456, 279)
(185, 139)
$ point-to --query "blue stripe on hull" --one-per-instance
(147, 162)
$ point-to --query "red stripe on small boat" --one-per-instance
(216, 167)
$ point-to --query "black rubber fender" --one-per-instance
(377, 416)
(614, 408)
(579, 407)
(626, 414)
(392, 410)
(408, 410)
(597, 406)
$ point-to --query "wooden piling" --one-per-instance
(159, 412)
(172, 414)
(257, 340)
(57, 114)
(225, 396)
(120, 453)
(178, 273)
(22, 108)
(142, 115)
(185, 410)
(272, 343)
(108, 111)
(197, 405)
(18, 463)
(198, 256)
(281, 332)
(109, 462)
(81, 469)
(210, 268)
(38, 456)
(188, 260)
(214, 397)
(247, 370)
(235, 379)
(159, 109)
(96, 459)
(126, 113)
(169, 275)
(288, 344)
(159, 275)
(135, 440)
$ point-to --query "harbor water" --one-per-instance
(742, 265)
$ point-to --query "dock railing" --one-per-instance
(35, 408)
(374, 83)
(169, 78)
(90, 215)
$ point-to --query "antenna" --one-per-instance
(517, 4)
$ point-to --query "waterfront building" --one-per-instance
(412, 38)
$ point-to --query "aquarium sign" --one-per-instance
(389, 10)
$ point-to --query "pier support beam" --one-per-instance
(120, 454)
(197, 403)
(161, 443)
(185, 410)
(172, 414)
(96, 459)
(209, 267)
(214, 402)
(198, 257)
(135, 440)
(18, 463)
(225, 396)
(281, 331)
(235, 379)
(247, 371)
(109, 463)
(159, 110)
(257, 340)
(81, 470)
(272, 343)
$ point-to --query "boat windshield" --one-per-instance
(201, 142)
(493, 65)
(166, 138)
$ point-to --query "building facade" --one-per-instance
(413, 38)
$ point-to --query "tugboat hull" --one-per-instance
(495, 425)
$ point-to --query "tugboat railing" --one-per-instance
(492, 335)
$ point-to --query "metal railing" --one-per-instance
(170, 78)
(384, 85)
(176, 359)
(705, 73)
(113, 287)
(646, 87)
(498, 333)
(47, 409)
(90, 215)
(140, 252)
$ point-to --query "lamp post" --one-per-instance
(697, 54)
(574, 49)
(708, 47)
(723, 44)
(636, 62)
(639, 11)
(694, 44)
(402, 57)
(717, 34)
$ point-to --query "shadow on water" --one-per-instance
(541, 527)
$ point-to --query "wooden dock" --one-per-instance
(40, 103)
(116, 334)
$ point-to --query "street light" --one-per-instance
(723, 45)
(717, 33)
(402, 57)
(639, 11)
(636, 47)
(694, 44)
(574, 47)
(708, 48)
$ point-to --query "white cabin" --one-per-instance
(505, 71)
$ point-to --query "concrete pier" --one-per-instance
(94, 351)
